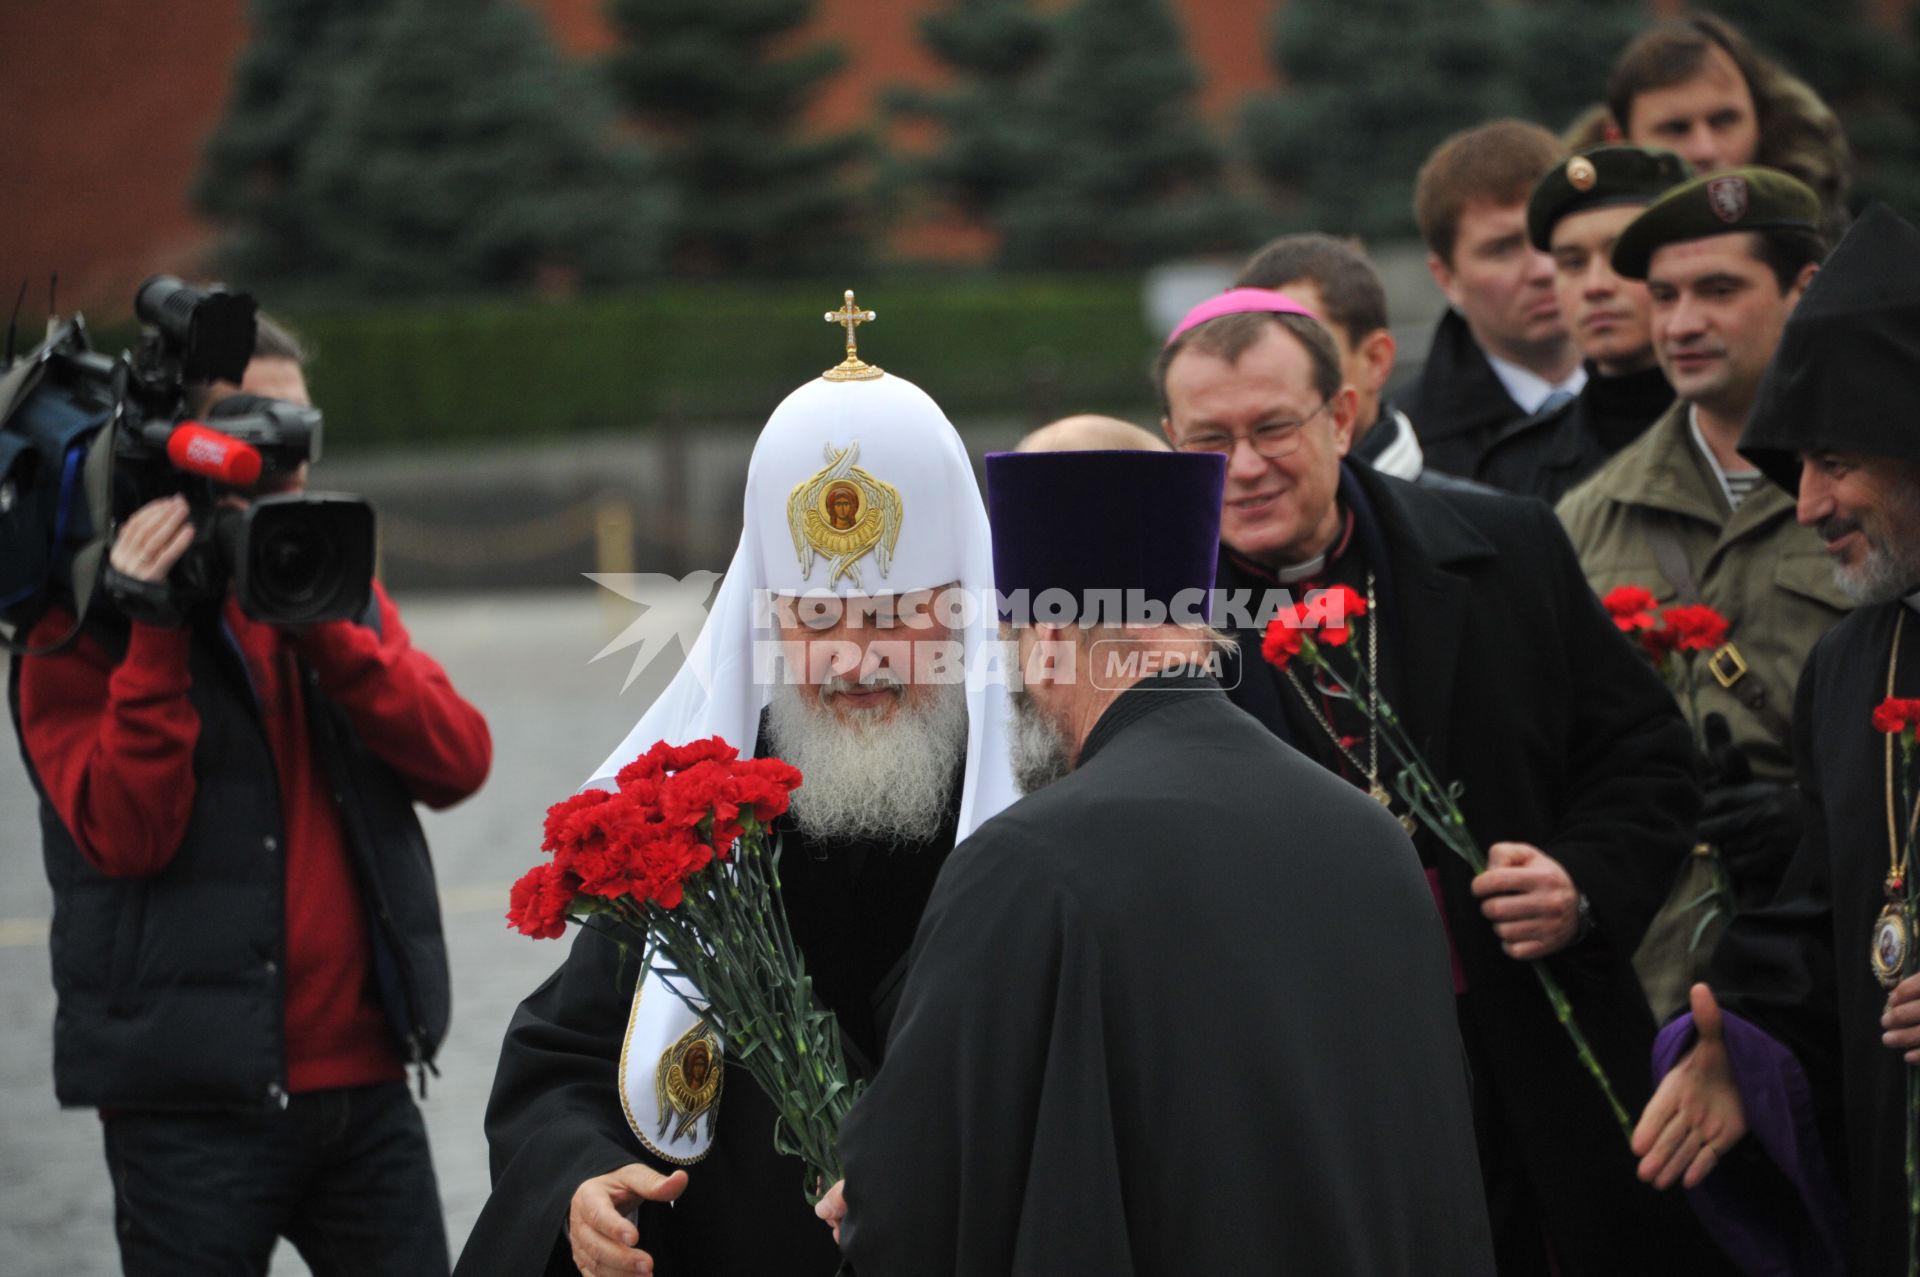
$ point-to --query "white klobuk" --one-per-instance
(856, 487)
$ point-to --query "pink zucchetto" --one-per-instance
(1238, 301)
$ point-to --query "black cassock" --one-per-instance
(555, 1119)
(1799, 971)
(1183, 1011)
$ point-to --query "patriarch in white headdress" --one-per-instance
(852, 622)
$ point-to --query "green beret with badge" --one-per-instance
(1725, 203)
(1600, 177)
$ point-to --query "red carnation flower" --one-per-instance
(1697, 627)
(1896, 714)
(539, 901)
(1335, 610)
(1658, 644)
(1286, 635)
(1631, 607)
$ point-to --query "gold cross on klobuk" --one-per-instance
(852, 368)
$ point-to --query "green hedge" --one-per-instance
(1026, 347)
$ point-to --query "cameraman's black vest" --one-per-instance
(170, 986)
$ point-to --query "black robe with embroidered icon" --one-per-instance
(555, 1117)
(1184, 1010)
(1514, 684)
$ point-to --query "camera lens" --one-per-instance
(297, 565)
(304, 559)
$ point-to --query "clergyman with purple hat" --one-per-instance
(1124, 976)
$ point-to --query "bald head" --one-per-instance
(1090, 432)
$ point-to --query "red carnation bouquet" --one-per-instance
(1307, 632)
(1673, 639)
(681, 852)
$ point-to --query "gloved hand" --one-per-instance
(148, 602)
(1756, 824)
(1725, 763)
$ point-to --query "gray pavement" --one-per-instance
(524, 659)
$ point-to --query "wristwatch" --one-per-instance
(1583, 916)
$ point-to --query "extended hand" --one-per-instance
(1902, 1019)
(1529, 898)
(603, 1241)
(833, 1208)
(1694, 1117)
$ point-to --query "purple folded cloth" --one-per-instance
(1778, 1104)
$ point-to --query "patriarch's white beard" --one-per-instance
(867, 777)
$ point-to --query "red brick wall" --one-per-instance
(106, 103)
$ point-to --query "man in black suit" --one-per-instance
(1575, 764)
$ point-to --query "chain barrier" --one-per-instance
(610, 523)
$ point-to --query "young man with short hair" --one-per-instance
(1501, 351)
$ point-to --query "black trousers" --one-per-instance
(344, 1175)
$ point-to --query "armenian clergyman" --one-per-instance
(1124, 971)
(1796, 1054)
(838, 642)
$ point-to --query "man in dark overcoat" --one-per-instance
(1483, 636)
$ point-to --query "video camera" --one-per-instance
(86, 439)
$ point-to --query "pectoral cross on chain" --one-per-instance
(853, 368)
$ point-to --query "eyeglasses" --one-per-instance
(1274, 440)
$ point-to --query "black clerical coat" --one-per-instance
(1183, 1011)
(1799, 969)
(555, 1118)
(1460, 403)
(1517, 686)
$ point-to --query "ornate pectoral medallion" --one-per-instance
(1892, 944)
(687, 1083)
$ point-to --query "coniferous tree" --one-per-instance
(284, 87)
(1861, 70)
(714, 84)
(992, 131)
(1372, 86)
(1558, 53)
(1129, 174)
(464, 152)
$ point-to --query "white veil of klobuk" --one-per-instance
(920, 515)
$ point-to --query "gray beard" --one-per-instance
(885, 780)
(1038, 750)
(1891, 568)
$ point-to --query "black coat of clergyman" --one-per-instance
(1516, 685)
(1460, 403)
(1799, 968)
(1185, 1010)
(555, 1117)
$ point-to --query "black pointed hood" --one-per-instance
(1847, 371)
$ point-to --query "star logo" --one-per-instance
(673, 608)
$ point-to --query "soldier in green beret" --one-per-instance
(1680, 512)
(1576, 212)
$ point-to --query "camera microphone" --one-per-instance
(200, 450)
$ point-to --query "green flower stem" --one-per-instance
(1436, 807)
(1913, 1074)
(729, 938)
